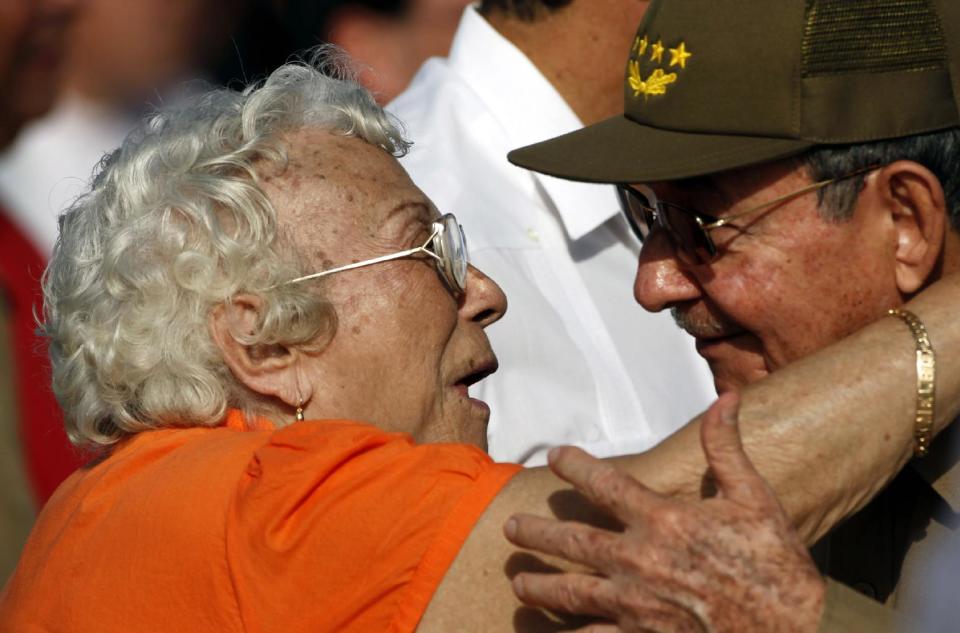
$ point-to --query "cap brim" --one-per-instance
(619, 150)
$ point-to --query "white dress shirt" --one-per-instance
(580, 362)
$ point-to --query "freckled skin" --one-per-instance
(730, 563)
(787, 283)
(403, 340)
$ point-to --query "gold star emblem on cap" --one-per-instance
(679, 55)
(656, 52)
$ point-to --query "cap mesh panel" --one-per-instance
(856, 36)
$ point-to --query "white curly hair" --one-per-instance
(174, 224)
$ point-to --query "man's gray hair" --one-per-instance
(175, 223)
(937, 151)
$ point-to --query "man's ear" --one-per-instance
(270, 370)
(915, 199)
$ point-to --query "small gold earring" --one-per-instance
(300, 411)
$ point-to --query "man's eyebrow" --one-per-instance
(700, 184)
(705, 185)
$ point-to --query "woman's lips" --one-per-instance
(463, 390)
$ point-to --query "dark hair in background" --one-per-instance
(527, 10)
(271, 33)
(937, 151)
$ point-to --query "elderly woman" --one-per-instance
(269, 334)
(188, 329)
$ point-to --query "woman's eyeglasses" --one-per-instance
(690, 230)
(446, 245)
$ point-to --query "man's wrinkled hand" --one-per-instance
(729, 563)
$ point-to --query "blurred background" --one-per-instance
(77, 74)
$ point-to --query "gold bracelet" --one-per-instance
(926, 385)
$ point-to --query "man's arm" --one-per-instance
(827, 433)
(727, 563)
(731, 563)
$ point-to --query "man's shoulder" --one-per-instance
(437, 82)
(459, 147)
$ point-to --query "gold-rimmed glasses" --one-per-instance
(690, 230)
(447, 246)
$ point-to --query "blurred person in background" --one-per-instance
(33, 48)
(33, 41)
(124, 56)
(582, 364)
(388, 39)
(115, 58)
(121, 56)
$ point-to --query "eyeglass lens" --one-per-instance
(637, 211)
(643, 210)
(450, 244)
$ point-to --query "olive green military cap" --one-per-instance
(712, 85)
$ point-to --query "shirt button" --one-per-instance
(533, 235)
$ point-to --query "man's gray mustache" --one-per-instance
(701, 326)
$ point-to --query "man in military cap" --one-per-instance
(791, 168)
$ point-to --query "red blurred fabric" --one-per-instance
(48, 455)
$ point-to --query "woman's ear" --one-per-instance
(270, 370)
(915, 199)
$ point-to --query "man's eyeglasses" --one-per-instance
(690, 230)
(446, 245)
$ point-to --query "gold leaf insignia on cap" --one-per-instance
(656, 52)
(679, 55)
(655, 84)
(634, 80)
(642, 45)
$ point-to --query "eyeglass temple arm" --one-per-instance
(793, 194)
(370, 262)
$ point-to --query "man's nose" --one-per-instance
(662, 281)
(483, 301)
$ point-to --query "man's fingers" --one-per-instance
(580, 594)
(736, 476)
(574, 542)
(603, 483)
